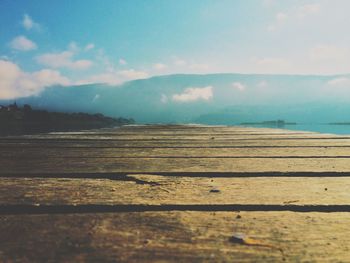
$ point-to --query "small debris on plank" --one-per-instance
(214, 191)
(290, 202)
(244, 240)
(237, 238)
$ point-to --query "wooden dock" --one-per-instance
(175, 194)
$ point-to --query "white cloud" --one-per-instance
(238, 86)
(89, 46)
(280, 17)
(271, 28)
(16, 83)
(308, 9)
(180, 65)
(81, 64)
(73, 47)
(262, 84)
(199, 66)
(339, 82)
(269, 61)
(23, 44)
(329, 52)
(159, 66)
(114, 77)
(272, 65)
(106, 77)
(48, 77)
(293, 15)
(163, 98)
(179, 62)
(194, 94)
(268, 3)
(130, 74)
(104, 60)
(63, 60)
(111, 75)
(28, 23)
(122, 62)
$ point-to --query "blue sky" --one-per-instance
(85, 41)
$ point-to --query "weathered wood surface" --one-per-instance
(121, 136)
(199, 138)
(163, 190)
(174, 165)
(72, 143)
(175, 193)
(77, 152)
(175, 237)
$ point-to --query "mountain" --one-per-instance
(213, 98)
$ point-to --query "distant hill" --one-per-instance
(213, 99)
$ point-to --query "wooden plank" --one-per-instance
(189, 127)
(182, 133)
(175, 237)
(176, 143)
(164, 190)
(179, 132)
(75, 152)
(173, 165)
(218, 137)
(199, 128)
(184, 130)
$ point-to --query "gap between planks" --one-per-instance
(88, 209)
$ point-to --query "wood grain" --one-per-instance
(95, 143)
(78, 152)
(164, 190)
(174, 165)
(175, 236)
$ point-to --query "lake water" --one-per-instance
(323, 128)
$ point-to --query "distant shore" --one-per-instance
(16, 120)
(275, 123)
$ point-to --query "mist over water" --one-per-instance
(322, 128)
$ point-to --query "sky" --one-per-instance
(66, 42)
